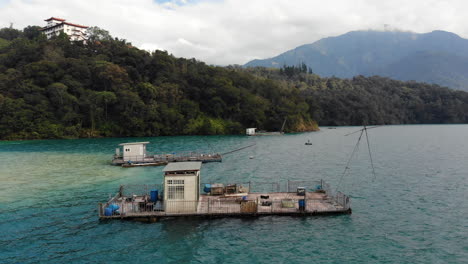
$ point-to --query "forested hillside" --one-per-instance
(370, 100)
(57, 89)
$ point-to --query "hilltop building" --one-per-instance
(56, 25)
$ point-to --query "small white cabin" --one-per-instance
(135, 151)
(250, 131)
(181, 187)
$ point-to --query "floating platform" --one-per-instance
(145, 206)
(163, 159)
(134, 154)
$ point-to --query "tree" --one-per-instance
(32, 32)
(10, 33)
(98, 34)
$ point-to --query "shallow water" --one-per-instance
(414, 211)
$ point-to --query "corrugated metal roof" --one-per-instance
(183, 166)
(133, 143)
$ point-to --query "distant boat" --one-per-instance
(308, 142)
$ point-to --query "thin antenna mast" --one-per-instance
(349, 160)
(363, 130)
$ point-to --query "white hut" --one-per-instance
(181, 187)
(135, 151)
(250, 131)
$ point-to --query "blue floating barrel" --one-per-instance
(113, 207)
(154, 196)
(207, 188)
(244, 198)
(301, 203)
(108, 211)
(318, 187)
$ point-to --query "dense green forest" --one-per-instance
(106, 87)
(370, 100)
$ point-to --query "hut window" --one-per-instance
(170, 182)
(175, 189)
(175, 192)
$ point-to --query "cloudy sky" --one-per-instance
(226, 32)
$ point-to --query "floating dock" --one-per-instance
(180, 196)
(134, 154)
(282, 203)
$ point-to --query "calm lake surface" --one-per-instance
(415, 211)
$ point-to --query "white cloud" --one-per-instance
(236, 31)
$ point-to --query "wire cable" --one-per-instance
(356, 147)
(370, 154)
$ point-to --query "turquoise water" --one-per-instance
(415, 211)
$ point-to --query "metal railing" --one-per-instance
(222, 207)
(265, 187)
(134, 199)
(309, 185)
(103, 206)
(239, 187)
(139, 189)
(343, 200)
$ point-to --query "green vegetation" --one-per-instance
(3, 43)
(58, 89)
(370, 100)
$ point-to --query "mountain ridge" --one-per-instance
(370, 53)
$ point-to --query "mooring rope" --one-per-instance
(229, 152)
(370, 154)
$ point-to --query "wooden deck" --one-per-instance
(251, 204)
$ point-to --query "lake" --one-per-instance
(414, 210)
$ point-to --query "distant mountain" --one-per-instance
(437, 57)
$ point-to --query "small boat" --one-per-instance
(308, 143)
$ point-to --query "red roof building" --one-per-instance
(55, 26)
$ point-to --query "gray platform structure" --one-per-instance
(135, 154)
(182, 194)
